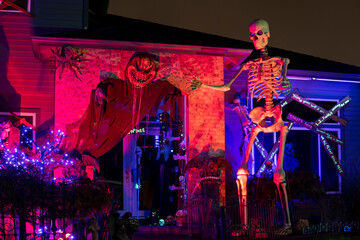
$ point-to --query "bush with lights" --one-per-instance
(27, 183)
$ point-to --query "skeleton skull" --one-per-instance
(289, 150)
(161, 222)
(180, 217)
(138, 151)
(259, 33)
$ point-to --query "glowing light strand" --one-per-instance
(19, 159)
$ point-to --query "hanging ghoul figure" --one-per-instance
(9, 135)
(266, 78)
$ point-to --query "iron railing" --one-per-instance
(226, 221)
(51, 215)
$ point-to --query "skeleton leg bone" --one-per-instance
(242, 177)
(242, 194)
(280, 181)
(279, 175)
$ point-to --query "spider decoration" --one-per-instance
(67, 57)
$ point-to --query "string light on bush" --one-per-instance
(18, 158)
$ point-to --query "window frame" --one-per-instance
(334, 127)
(25, 114)
(28, 7)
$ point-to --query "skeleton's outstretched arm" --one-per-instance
(196, 83)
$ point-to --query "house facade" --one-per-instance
(31, 86)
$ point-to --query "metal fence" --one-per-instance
(262, 218)
(57, 210)
(227, 221)
(51, 215)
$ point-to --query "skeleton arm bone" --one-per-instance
(286, 63)
(196, 83)
(226, 87)
(285, 83)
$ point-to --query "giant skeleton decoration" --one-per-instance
(266, 79)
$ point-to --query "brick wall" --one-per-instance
(206, 111)
(72, 95)
(206, 108)
(206, 127)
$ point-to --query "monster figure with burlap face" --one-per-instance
(141, 70)
(266, 79)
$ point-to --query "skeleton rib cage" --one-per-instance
(264, 79)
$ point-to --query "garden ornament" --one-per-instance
(180, 218)
(93, 228)
(170, 220)
(266, 79)
(122, 228)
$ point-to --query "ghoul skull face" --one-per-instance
(259, 33)
(141, 70)
(5, 130)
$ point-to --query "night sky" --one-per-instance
(327, 29)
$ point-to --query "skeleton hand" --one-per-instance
(227, 86)
(194, 84)
(165, 78)
(285, 86)
(100, 96)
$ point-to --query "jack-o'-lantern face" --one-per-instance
(141, 70)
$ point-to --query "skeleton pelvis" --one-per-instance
(259, 115)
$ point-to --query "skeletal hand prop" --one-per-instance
(194, 84)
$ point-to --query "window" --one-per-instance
(15, 6)
(27, 137)
(308, 151)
